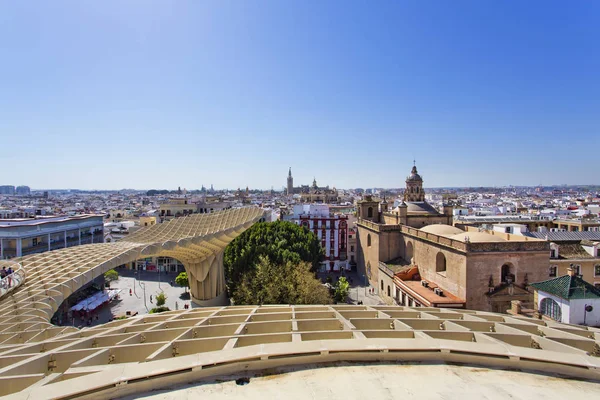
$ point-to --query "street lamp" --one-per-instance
(143, 286)
(158, 275)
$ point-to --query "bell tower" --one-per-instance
(414, 186)
(290, 183)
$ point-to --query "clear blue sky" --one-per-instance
(160, 94)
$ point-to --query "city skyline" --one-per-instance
(153, 95)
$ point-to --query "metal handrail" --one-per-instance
(14, 280)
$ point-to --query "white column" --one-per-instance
(19, 247)
(49, 242)
(1, 249)
(92, 231)
(65, 236)
(79, 230)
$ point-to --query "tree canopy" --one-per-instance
(280, 242)
(161, 298)
(111, 275)
(182, 280)
(284, 283)
(341, 290)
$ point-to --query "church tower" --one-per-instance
(414, 186)
(290, 183)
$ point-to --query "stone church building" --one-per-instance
(415, 257)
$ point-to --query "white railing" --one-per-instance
(14, 280)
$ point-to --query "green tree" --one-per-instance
(161, 298)
(341, 290)
(111, 275)
(287, 283)
(280, 242)
(182, 280)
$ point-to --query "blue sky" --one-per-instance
(160, 94)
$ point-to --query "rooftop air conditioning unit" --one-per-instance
(425, 283)
(438, 291)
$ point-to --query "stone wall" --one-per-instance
(480, 266)
(425, 255)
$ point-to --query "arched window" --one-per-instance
(389, 291)
(552, 271)
(370, 212)
(507, 274)
(369, 240)
(550, 308)
(382, 284)
(440, 262)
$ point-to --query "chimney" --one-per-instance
(571, 271)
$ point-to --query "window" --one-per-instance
(369, 240)
(576, 268)
(440, 263)
(597, 270)
(370, 212)
(507, 273)
(552, 271)
(553, 253)
(597, 285)
(389, 291)
(351, 248)
(550, 308)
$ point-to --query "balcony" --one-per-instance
(10, 253)
(59, 244)
(38, 248)
(72, 241)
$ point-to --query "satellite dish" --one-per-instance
(589, 308)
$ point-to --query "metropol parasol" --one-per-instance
(39, 360)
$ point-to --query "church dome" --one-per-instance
(420, 207)
(442, 230)
(477, 237)
(414, 175)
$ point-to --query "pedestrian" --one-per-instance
(176, 305)
(9, 273)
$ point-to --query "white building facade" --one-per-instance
(568, 299)
(332, 231)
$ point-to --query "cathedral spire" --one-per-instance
(290, 173)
